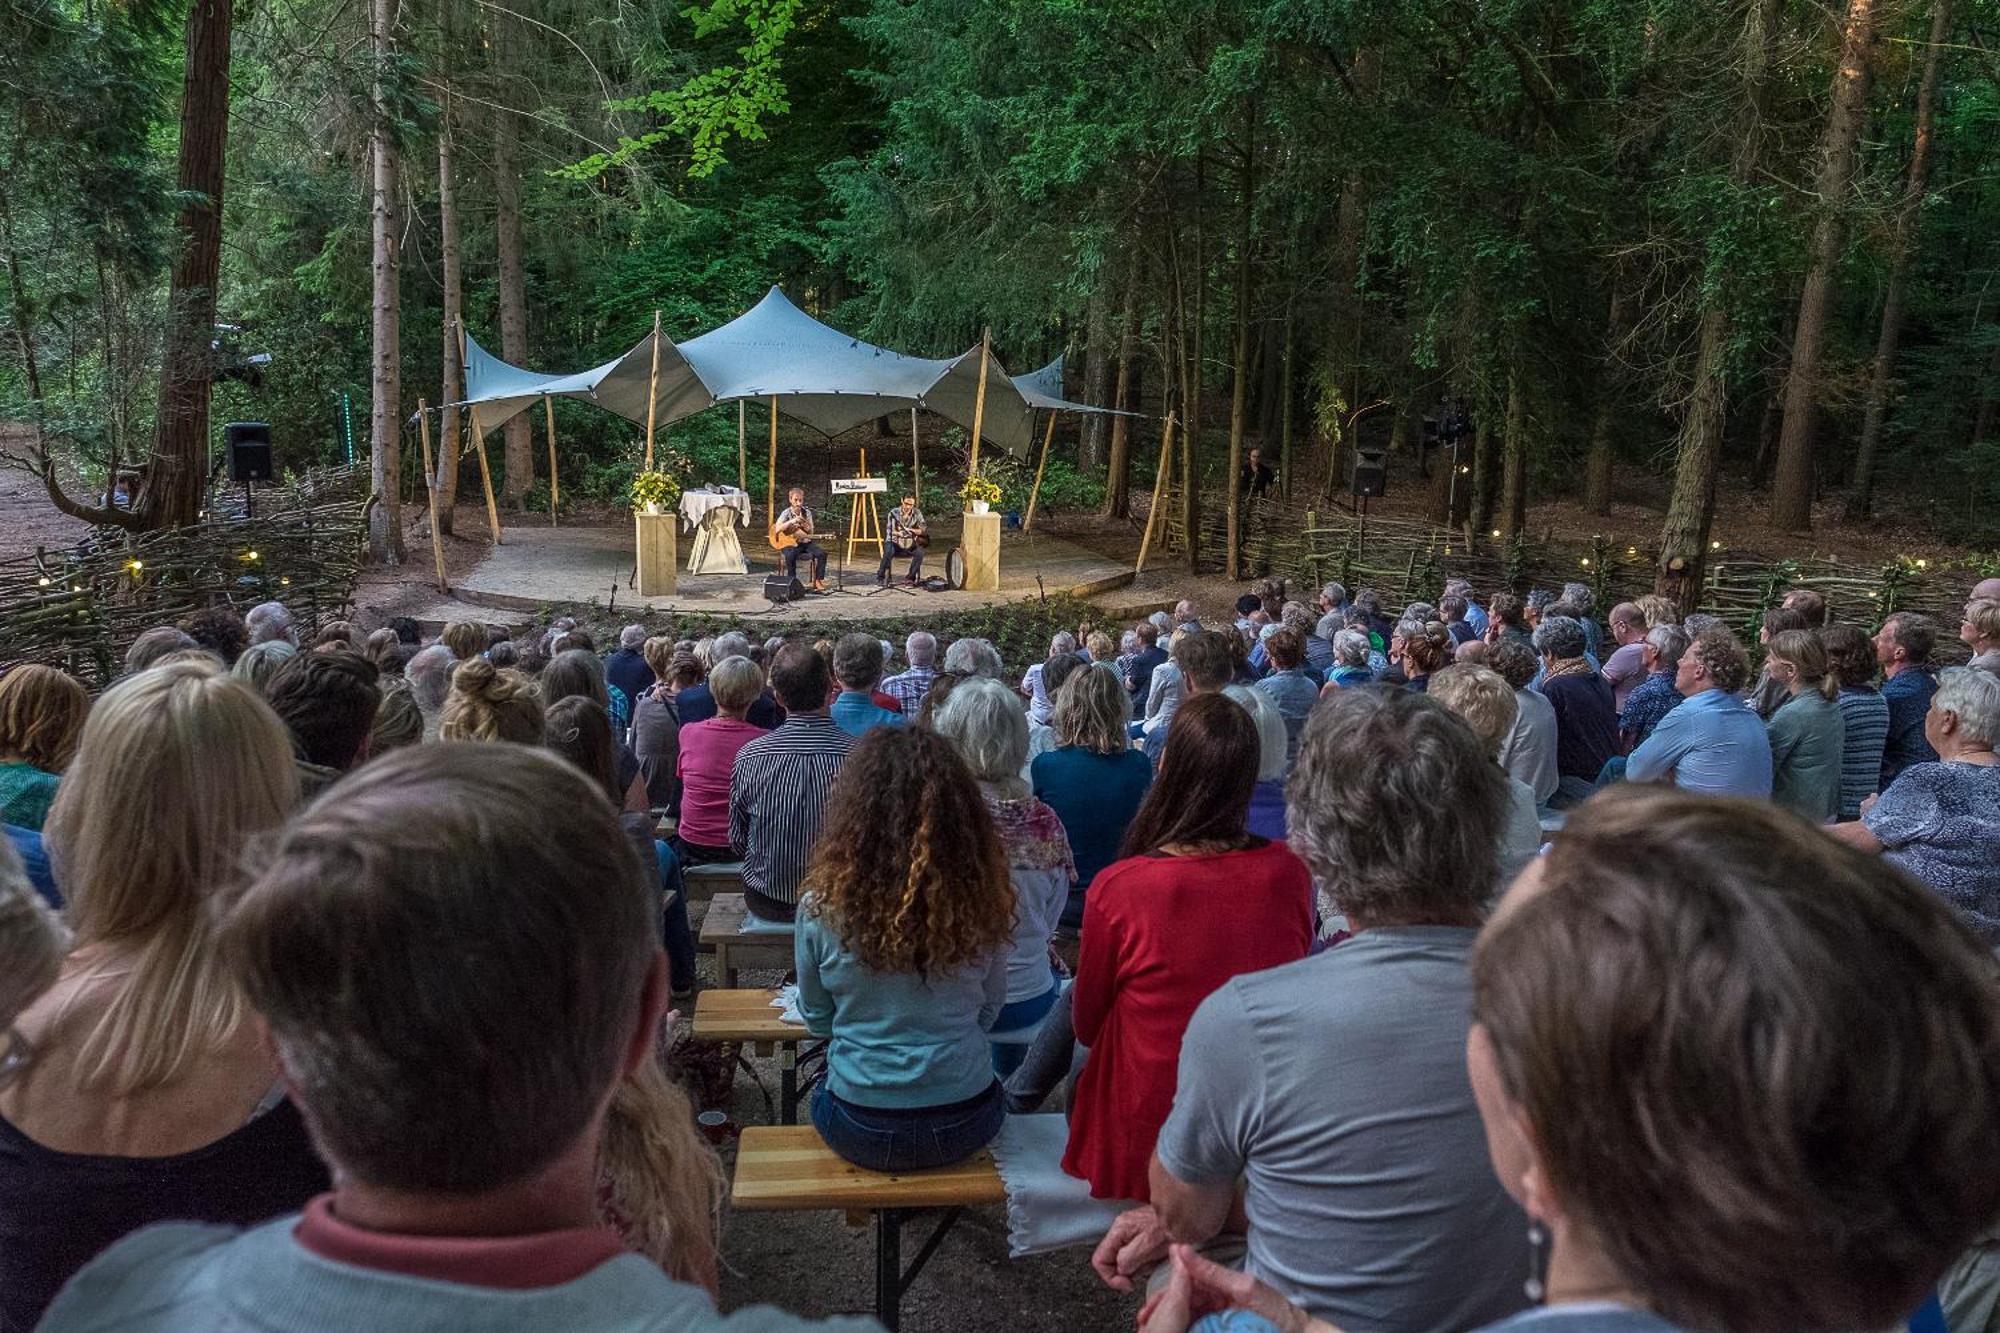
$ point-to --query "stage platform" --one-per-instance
(538, 567)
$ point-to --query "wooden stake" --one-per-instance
(916, 477)
(1034, 494)
(555, 488)
(486, 477)
(979, 403)
(653, 391)
(430, 490)
(1159, 494)
(742, 458)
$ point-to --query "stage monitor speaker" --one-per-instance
(779, 590)
(249, 445)
(1371, 478)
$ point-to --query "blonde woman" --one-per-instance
(32, 943)
(1093, 779)
(1808, 733)
(467, 639)
(151, 1094)
(41, 716)
(488, 704)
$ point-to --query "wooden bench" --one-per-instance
(705, 882)
(747, 1016)
(788, 1168)
(723, 935)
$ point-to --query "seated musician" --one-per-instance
(795, 521)
(907, 536)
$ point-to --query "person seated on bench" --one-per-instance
(1326, 1102)
(902, 954)
(1840, 1024)
(446, 903)
(1197, 900)
(779, 782)
(984, 722)
(707, 755)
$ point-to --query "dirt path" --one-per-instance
(27, 519)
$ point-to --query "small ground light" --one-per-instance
(1585, 562)
(42, 582)
(1496, 532)
(136, 566)
(1715, 546)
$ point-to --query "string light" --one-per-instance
(1496, 532)
(285, 582)
(42, 582)
(1715, 546)
(1631, 551)
(1585, 562)
(136, 565)
(1923, 564)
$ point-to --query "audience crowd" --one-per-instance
(1484, 966)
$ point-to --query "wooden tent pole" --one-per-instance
(771, 482)
(979, 403)
(916, 476)
(742, 458)
(555, 487)
(1159, 490)
(653, 392)
(430, 490)
(1035, 493)
(479, 446)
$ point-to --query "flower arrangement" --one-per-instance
(655, 491)
(979, 492)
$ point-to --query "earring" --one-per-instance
(1538, 1262)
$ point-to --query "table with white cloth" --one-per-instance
(708, 512)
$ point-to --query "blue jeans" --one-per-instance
(907, 1140)
(675, 933)
(1028, 1013)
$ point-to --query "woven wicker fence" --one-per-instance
(1407, 560)
(79, 608)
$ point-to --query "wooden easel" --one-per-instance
(864, 520)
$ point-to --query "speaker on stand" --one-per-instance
(249, 447)
(1370, 480)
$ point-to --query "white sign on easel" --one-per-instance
(859, 486)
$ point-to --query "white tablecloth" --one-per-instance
(695, 505)
(715, 549)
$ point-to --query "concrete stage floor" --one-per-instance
(540, 566)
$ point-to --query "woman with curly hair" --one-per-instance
(902, 948)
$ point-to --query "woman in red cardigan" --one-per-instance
(1196, 900)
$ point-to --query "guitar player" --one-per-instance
(908, 535)
(792, 534)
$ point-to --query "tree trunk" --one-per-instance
(520, 450)
(1982, 417)
(1285, 395)
(24, 315)
(1118, 480)
(1514, 464)
(1485, 481)
(453, 301)
(1239, 393)
(1791, 489)
(385, 520)
(1096, 377)
(1691, 503)
(177, 475)
(1902, 250)
(1691, 506)
(1191, 435)
(1597, 467)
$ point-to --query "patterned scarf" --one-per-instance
(1568, 666)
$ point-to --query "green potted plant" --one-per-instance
(979, 494)
(655, 491)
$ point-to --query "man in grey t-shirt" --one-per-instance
(1323, 1107)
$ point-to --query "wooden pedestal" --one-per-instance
(981, 541)
(658, 576)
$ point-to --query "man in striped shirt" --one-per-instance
(779, 783)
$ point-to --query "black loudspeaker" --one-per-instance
(249, 445)
(778, 590)
(1371, 478)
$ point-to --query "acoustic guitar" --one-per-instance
(781, 541)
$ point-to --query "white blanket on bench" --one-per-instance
(1046, 1209)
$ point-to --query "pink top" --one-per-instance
(708, 752)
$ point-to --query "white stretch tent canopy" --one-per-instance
(500, 391)
(819, 375)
